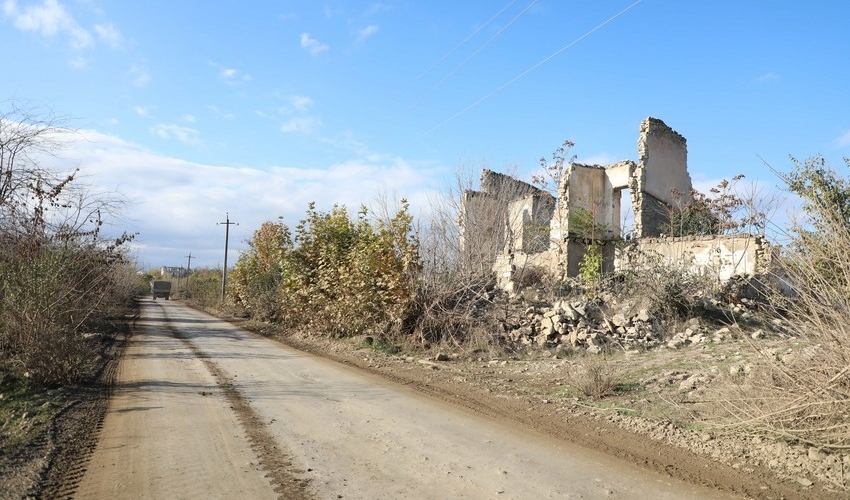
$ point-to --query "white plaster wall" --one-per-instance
(589, 188)
(724, 256)
(666, 168)
(519, 213)
(619, 174)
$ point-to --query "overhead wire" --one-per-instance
(529, 70)
(453, 49)
(472, 56)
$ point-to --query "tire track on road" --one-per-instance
(274, 461)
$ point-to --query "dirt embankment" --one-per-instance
(54, 454)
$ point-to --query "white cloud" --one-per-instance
(174, 204)
(300, 124)
(48, 20)
(185, 135)
(189, 118)
(296, 117)
(844, 140)
(312, 45)
(230, 76)
(366, 32)
(767, 77)
(78, 62)
(377, 8)
(141, 111)
(329, 12)
(109, 35)
(300, 102)
(139, 76)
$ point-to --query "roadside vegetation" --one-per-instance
(65, 287)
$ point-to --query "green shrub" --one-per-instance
(340, 276)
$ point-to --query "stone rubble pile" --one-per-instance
(594, 326)
(582, 325)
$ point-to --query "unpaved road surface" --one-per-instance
(202, 409)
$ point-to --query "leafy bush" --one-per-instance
(341, 276)
(259, 275)
(205, 287)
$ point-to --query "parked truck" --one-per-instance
(161, 288)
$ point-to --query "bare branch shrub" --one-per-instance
(595, 376)
(59, 276)
(805, 396)
(551, 174)
(671, 289)
(466, 231)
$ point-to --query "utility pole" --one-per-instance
(227, 225)
(188, 272)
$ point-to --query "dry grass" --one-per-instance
(805, 396)
(594, 376)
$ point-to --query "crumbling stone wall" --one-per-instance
(724, 256)
(661, 175)
(505, 215)
(521, 230)
(481, 233)
(529, 223)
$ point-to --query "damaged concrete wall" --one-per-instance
(529, 221)
(506, 214)
(594, 190)
(481, 231)
(662, 170)
(723, 256)
(523, 231)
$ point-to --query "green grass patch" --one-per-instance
(24, 408)
(625, 387)
(382, 346)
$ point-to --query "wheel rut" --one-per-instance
(274, 461)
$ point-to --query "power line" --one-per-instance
(450, 52)
(466, 61)
(529, 70)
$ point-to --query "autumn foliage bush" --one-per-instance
(339, 275)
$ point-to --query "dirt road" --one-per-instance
(202, 409)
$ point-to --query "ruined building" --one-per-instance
(514, 228)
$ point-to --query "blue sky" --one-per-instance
(191, 109)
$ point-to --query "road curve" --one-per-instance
(202, 409)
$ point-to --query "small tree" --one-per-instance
(584, 225)
(551, 173)
(711, 214)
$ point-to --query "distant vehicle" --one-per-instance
(161, 288)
